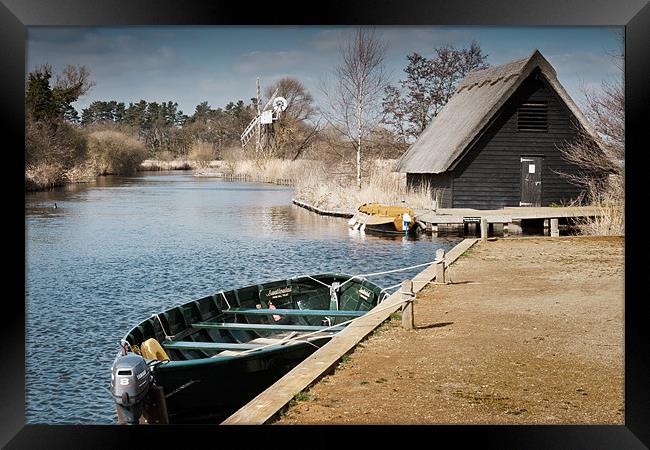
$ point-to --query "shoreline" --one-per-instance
(322, 212)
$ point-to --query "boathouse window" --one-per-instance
(532, 116)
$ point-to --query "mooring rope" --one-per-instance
(354, 277)
(381, 299)
(319, 281)
(167, 337)
(224, 297)
(388, 271)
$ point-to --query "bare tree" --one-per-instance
(294, 131)
(355, 96)
(600, 158)
(428, 86)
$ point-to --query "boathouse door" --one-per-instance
(531, 181)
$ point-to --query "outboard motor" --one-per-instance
(130, 382)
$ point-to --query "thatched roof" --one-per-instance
(478, 98)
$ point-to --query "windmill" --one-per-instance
(265, 116)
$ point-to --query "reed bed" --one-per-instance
(158, 165)
(610, 221)
(338, 191)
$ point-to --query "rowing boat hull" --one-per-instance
(384, 219)
(219, 389)
(203, 385)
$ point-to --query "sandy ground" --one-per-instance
(530, 331)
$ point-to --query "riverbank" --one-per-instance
(323, 186)
(530, 331)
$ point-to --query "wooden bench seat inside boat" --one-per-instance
(260, 326)
(259, 341)
(211, 346)
(294, 312)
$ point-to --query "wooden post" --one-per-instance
(120, 417)
(555, 231)
(440, 266)
(156, 410)
(121, 421)
(484, 229)
(408, 321)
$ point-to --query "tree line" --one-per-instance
(363, 115)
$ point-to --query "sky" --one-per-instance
(219, 64)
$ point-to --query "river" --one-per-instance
(117, 250)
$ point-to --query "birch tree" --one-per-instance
(355, 95)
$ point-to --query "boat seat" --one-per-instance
(258, 326)
(259, 341)
(227, 353)
(211, 346)
(293, 312)
(265, 341)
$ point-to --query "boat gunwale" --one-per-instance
(216, 359)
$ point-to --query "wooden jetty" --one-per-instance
(506, 216)
(485, 218)
(268, 403)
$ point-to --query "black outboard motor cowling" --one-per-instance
(130, 382)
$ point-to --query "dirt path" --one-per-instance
(530, 331)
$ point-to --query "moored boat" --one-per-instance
(213, 355)
(375, 217)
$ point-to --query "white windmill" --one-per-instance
(265, 116)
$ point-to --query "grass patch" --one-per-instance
(302, 396)
(466, 253)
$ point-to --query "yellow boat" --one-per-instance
(383, 218)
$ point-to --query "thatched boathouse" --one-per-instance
(497, 141)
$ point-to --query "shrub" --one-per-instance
(231, 158)
(43, 176)
(202, 153)
(113, 152)
(53, 143)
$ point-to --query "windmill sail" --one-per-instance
(249, 131)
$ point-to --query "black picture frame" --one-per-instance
(16, 15)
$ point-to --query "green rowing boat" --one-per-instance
(213, 355)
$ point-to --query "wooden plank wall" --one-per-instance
(489, 176)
